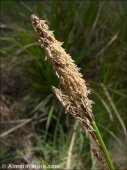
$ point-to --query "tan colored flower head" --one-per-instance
(75, 95)
(65, 69)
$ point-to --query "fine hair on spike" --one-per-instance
(74, 95)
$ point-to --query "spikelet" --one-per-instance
(75, 95)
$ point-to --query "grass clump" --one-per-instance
(95, 36)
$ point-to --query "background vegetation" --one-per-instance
(34, 126)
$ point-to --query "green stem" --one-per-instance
(106, 154)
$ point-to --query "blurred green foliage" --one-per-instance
(93, 33)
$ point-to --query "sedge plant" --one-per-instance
(74, 95)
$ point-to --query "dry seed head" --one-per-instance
(65, 68)
(75, 95)
(99, 156)
(74, 111)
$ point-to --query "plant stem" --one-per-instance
(105, 151)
